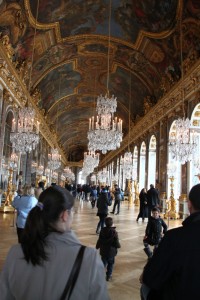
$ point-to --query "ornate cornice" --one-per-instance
(169, 105)
(17, 89)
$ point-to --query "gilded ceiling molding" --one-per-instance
(15, 86)
(136, 45)
(169, 105)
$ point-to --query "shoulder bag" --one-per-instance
(73, 275)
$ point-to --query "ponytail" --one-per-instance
(33, 238)
(42, 220)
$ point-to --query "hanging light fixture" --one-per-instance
(25, 134)
(54, 159)
(102, 175)
(13, 162)
(67, 172)
(106, 133)
(91, 160)
(40, 170)
(127, 160)
(182, 142)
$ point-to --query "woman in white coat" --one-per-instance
(23, 204)
(40, 266)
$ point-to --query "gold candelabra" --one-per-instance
(136, 188)
(171, 203)
(7, 207)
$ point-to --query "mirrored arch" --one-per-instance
(142, 174)
(152, 161)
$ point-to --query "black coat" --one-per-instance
(102, 204)
(174, 269)
(143, 213)
(152, 197)
(155, 228)
(108, 242)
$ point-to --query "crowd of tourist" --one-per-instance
(48, 247)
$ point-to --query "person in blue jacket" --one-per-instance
(23, 204)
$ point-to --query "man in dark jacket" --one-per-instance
(174, 270)
(152, 199)
(118, 198)
(108, 243)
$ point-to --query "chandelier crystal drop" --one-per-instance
(54, 159)
(127, 165)
(24, 135)
(182, 142)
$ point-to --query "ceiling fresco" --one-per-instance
(69, 64)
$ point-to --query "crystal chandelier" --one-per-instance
(40, 170)
(91, 159)
(93, 178)
(127, 160)
(102, 175)
(54, 175)
(13, 161)
(182, 143)
(33, 167)
(106, 133)
(47, 172)
(127, 165)
(115, 177)
(54, 159)
(67, 172)
(24, 135)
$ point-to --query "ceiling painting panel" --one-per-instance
(57, 84)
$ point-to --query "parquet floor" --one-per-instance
(130, 259)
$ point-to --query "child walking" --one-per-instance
(154, 232)
(108, 243)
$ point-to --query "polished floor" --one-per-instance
(130, 259)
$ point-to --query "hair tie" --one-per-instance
(40, 205)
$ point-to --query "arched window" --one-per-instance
(152, 161)
(7, 148)
(142, 174)
(194, 166)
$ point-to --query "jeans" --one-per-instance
(108, 262)
(117, 203)
(101, 221)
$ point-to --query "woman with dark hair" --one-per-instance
(102, 206)
(47, 253)
(143, 213)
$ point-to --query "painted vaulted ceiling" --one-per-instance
(69, 65)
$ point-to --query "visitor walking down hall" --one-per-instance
(108, 243)
(39, 267)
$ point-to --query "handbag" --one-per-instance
(73, 275)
